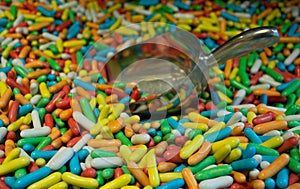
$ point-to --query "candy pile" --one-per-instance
(63, 123)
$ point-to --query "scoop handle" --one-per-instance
(246, 42)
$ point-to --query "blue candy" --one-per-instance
(244, 164)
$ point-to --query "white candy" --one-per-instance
(88, 161)
(258, 158)
(46, 45)
(1, 153)
(215, 183)
(3, 76)
(19, 19)
(292, 117)
(82, 120)
(60, 158)
(50, 36)
(239, 96)
(140, 139)
(264, 164)
(235, 118)
(36, 119)
(35, 99)
(260, 86)
(68, 5)
(272, 133)
(292, 57)
(6, 41)
(3, 132)
(106, 162)
(269, 80)
(247, 106)
(254, 69)
(36, 132)
(82, 142)
(287, 134)
(142, 11)
(238, 124)
(253, 174)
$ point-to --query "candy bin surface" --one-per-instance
(149, 94)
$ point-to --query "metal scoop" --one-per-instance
(176, 62)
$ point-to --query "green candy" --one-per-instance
(98, 153)
(46, 141)
(291, 88)
(214, 172)
(262, 150)
(124, 140)
(31, 140)
(272, 73)
(209, 160)
(87, 110)
(108, 173)
(234, 83)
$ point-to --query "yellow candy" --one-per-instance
(9, 15)
(40, 162)
(166, 177)
(4, 32)
(44, 90)
(122, 180)
(250, 116)
(187, 21)
(234, 155)
(27, 119)
(233, 73)
(74, 43)
(65, 14)
(222, 96)
(12, 155)
(195, 117)
(221, 153)
(232, 33)
(155, 18)
(207, 27)
(232, 142)
(132, 119)
(152, 169)
(28, 96)
(7, 51)
(115, 25)
(201, 126)
(272, 64)
(104, 112)
(218, 126)
(80, 181)
(137, 154)
(243, 145)
(273, 142)
(30, 16)
(185, 27)
(188, 149)
(60, 47)
(47, 182)
(60, 185)
(13, 165)
(44, 19)
(125, 152)
(15, 125)
(54, 5)
(130, 187)
(114, 7)
(3, 87)
(297, 101)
